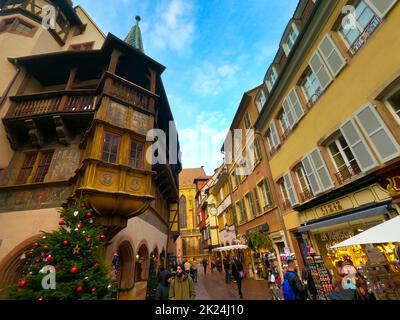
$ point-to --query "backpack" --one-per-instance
(288, 292)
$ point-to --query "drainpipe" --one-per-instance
(7, 91)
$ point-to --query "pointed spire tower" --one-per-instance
(134, 37)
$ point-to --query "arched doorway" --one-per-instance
(142, 264)
(13, 264)
(123, 263)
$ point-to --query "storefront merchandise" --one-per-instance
(321, 277)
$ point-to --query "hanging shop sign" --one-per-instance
(372, 194)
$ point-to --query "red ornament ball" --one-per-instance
(74, 270)
(36, 245)
(41, 298)
(94, 289)
(46, 248)
(102, 237)
(89, 214)
(22, 283)
(65, 242)
(79, 289)
(49, 258)
(61, 222)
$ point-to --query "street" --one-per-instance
(213, 287)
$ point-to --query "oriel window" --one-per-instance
(27, 167)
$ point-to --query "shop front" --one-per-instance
(332, 222)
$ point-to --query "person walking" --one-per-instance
(205, 263)
(311, 290)
(194, 269)
(273, 285)
(293, 288)
(238, 274)
(162, 292)
(227, 268)
(182, 286)
(187, 266)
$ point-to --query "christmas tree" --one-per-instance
(67, 264)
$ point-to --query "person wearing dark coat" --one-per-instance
(299, 288)
(162, 291)
(238, 274)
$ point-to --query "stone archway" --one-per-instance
(142, 264)
(12, 265)
(125, 265)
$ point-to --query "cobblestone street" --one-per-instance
(213, 287)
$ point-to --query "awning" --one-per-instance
(349, 217)
(229, 248)
(385, 232)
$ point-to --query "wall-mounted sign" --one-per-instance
(260, 228)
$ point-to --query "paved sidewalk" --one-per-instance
(213, 287)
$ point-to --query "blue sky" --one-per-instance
(214, 51)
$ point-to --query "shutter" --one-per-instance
(332, 56)
(257, 202)
(288, 112)
(381, 7)
(298, 110)
(358, 146)
(378, 133)
(274, 135)
(321, 170)
(311, 176)
(321, 72)
(287, 179)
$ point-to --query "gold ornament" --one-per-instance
(77, 249)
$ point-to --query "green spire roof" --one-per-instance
(134, 37)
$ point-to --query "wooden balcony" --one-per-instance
(129, 93)
(68, 101)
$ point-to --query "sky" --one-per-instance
(214, 51)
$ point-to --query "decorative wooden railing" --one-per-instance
(129, 92)
(306, 195)
(52, 102)
(347, 173)
(372, 25)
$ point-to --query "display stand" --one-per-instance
(383, 281)
(321, 277)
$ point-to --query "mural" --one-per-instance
(31, 199)
(64, 164)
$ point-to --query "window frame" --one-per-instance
(141, 160)
(45, 166)
(118, 147)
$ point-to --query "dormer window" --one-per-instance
(290, 39)
(271, 78)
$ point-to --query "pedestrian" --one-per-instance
(341, 293)
(182, 286)
(187, 266)
(205, 263)
(162, 292)
(273, 286)
(227, 268)
(194, 269)
(293, 288)
(311, 289)
(238, 274)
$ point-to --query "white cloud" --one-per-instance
(201, 144)
(210, 79)
(173, 27)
